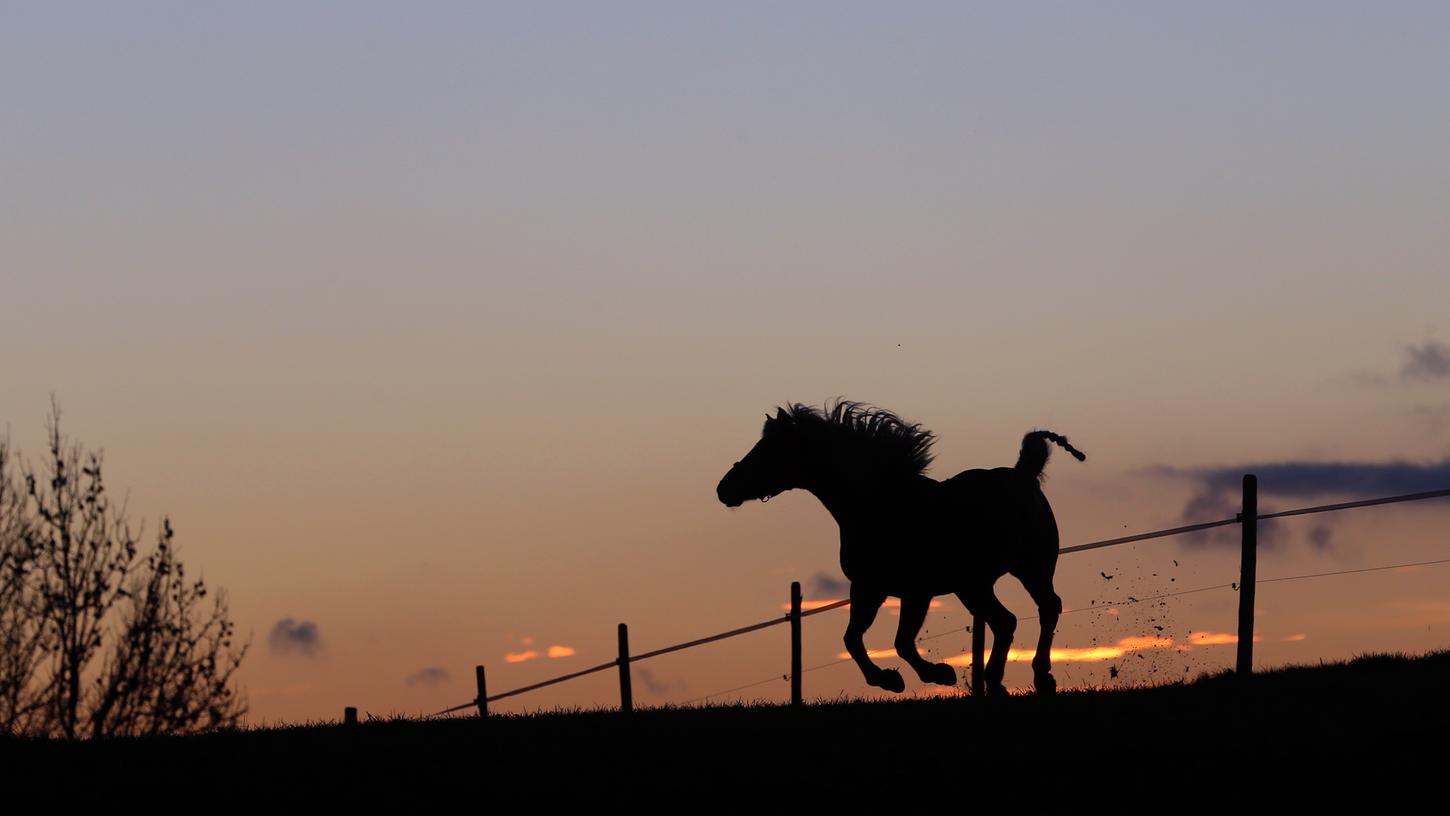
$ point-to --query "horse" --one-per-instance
(909, 536)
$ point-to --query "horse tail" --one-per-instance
(1033, 458)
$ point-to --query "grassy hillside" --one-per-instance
(1376, 724)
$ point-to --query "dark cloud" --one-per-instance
(1220, 492)
(1428, 362)
(290, 637)
(825, 585)
(654, 685)
(1314, 479)
(1214, 504)
(431, 676)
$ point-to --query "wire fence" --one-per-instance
(1100, 608)
(1249, 580)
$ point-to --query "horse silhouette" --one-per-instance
(907, 535)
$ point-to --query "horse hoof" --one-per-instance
(997, 690)
(1046, 684)
(942, 675)
(889, 679)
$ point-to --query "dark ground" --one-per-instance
(1376, 726)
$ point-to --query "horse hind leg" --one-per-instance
(864, 605)
(1049, 607)
(984, 604)
(913, 615)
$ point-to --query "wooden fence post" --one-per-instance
(1248, 572)
(482, 691)
(979, 648)
(795, 644)
(349, 715)
(626, 694)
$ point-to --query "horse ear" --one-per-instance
(780, 414)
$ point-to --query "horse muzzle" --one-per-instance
(727, 496)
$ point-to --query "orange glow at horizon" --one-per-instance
(1216, 638)
(891, 603)
(532, 654)
(1097, 654)
(807, 606)
(1062, 654)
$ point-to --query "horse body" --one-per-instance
(927, 538)
(907, 535)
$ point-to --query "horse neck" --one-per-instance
(840, 489)
(855, 493)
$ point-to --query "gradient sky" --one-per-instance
(433, 325)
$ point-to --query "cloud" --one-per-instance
(1220, 491)
(1214, 503)
(1098, 654)
(290, 637)
(825, 585)
(654, 685)
(525, 656)
(1212, 638)
(1091, 654)
(1427, 363)
(807, 606)
(431, 676)
(1357, 479)
(889, 603)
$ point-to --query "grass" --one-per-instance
(1292, 732)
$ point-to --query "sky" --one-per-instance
(432, 326)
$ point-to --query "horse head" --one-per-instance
(773, 466)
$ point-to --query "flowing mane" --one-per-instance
(875, 435)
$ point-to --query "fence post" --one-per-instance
(979, 648)
(482, 691)
(1248, 572)
(626, 694)
(795, 644)
(349, 715)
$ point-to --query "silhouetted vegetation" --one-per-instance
(101, 639)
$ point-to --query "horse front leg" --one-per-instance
(864, 605)
(913, 615)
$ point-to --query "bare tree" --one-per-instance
(21, 632)
(108, 641)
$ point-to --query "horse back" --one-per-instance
(994, 487)
(1005, 507)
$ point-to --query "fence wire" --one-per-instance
(1103, 607)
(1093, 545)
